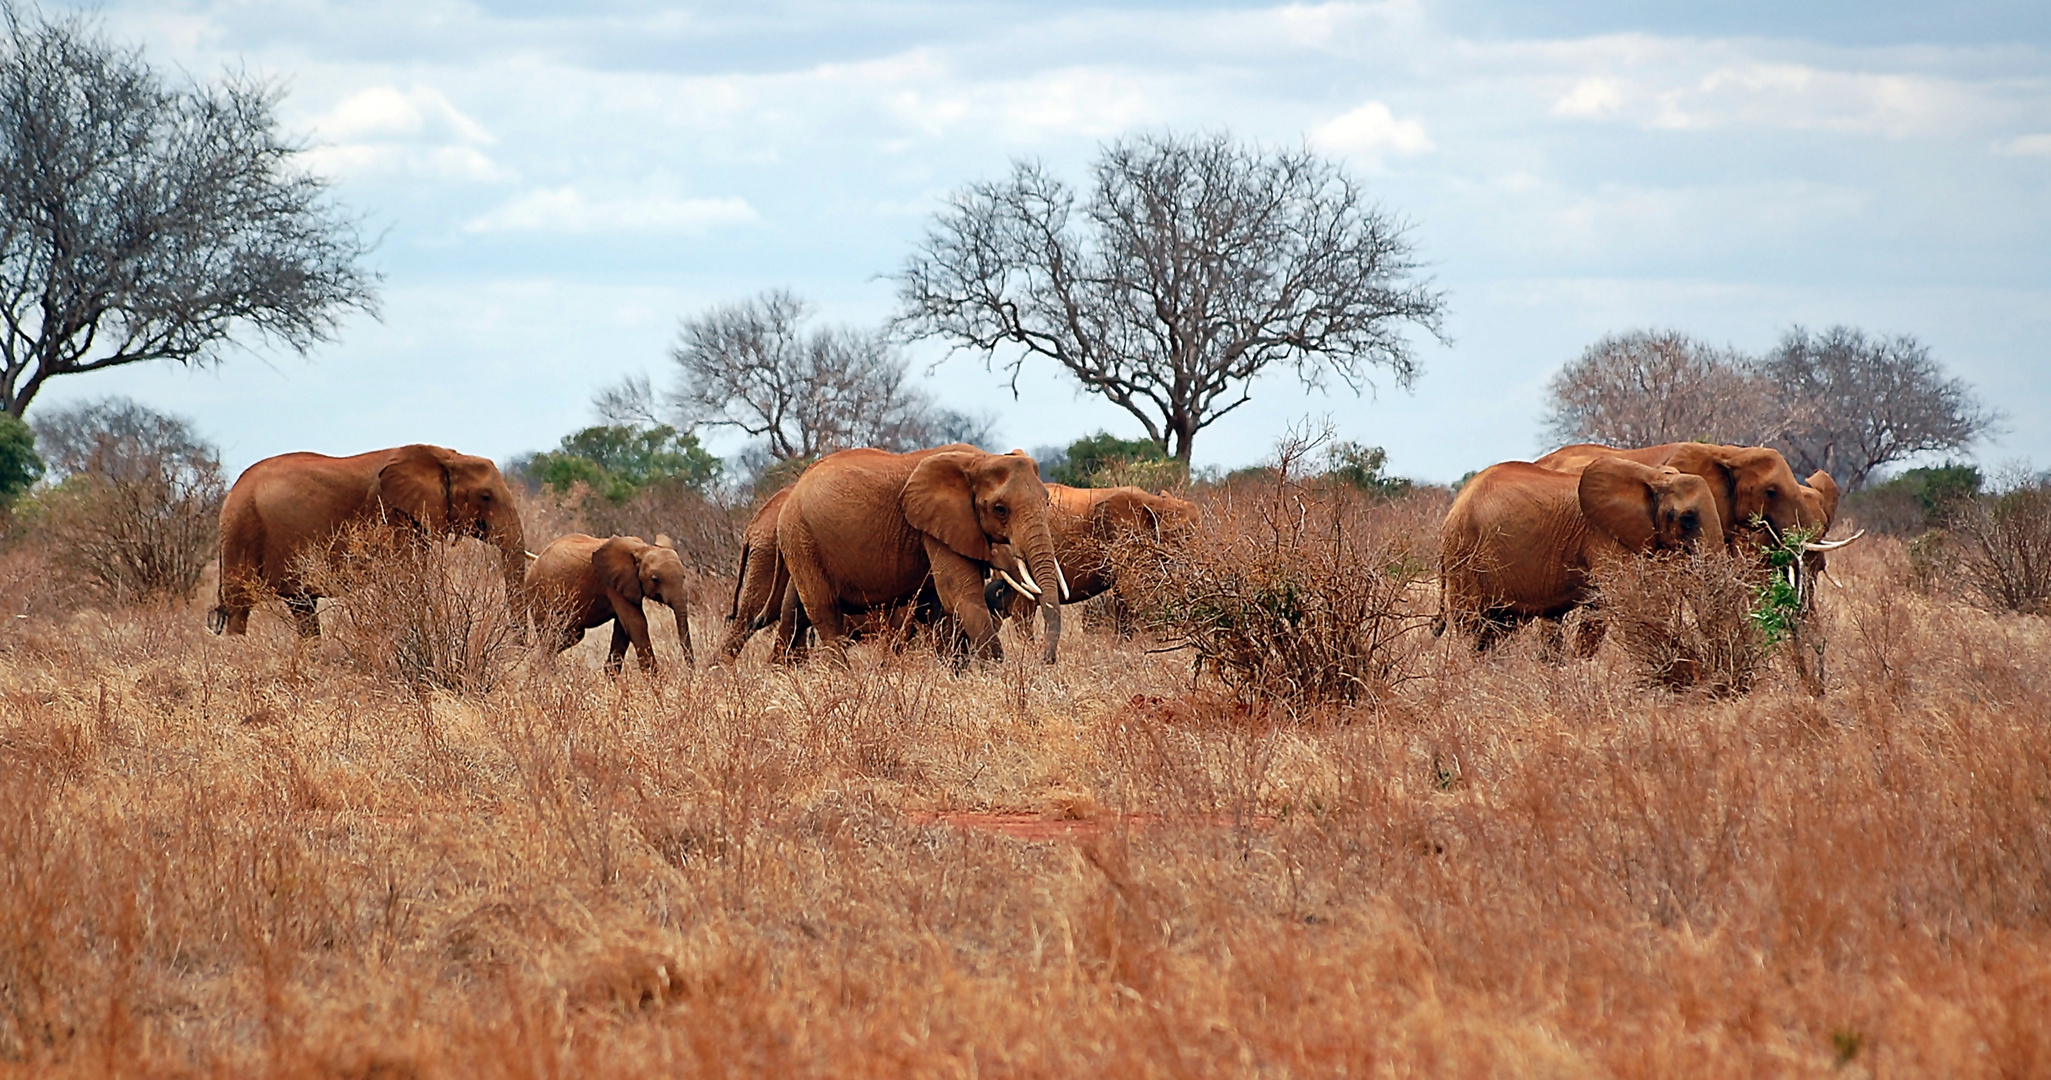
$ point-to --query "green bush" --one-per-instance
(20, 468)
(618, 461)
(1916, 501)
(1361, 467)
(1105, 460)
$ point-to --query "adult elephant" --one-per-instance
(283, 507)
(580, 582)
(1521, 540)
(866, 528)
(1757, 495)
(1088, 525)
(760, 580)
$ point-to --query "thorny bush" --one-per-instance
(1294, 592)
(426, 613)
(1998, 547)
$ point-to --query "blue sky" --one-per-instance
(556, 185)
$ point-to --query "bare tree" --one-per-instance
(751, 366)
(1649, 387)
(1193, 265)
(144, 223)
(1857, 402)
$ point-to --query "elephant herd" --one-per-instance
(1522, 539)
(960, 539)
(952, 536)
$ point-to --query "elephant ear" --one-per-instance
(1617, 496)
(416, 483)
(939, 501)
(1826, 487)
(617, 565)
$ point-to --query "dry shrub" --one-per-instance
(2000, 549)
(1686, 620)
(424, 613)
(1291, 592)
(144, 531)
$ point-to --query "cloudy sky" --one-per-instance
(554, 191)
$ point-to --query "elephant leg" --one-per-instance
(1588, 636)
(791, 629)
(820, 600)
(630, 626)
(305, 614)
(1550, 639)
(959, 584)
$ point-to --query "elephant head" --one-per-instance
(1648, 508)
(452, 494)
(1757, 495)
(975, 502)
(634, 571)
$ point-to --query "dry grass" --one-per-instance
(1686, 620)
(231, 857)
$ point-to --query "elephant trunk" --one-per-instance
(1037, 545)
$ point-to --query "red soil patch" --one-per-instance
(1038, 828)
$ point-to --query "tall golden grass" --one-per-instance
(258, 857)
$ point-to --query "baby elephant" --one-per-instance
(580, 581)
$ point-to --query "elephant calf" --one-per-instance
(579, 582)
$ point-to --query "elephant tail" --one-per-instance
(733, 610)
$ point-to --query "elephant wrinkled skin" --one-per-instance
(865, 529)
(283, 506)
(1088, 524)
(1521, 540)
(580, 582)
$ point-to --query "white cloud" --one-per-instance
(566, 210)
(1371, 131)
(1591, 97)
(2038, 145)
(415, 132)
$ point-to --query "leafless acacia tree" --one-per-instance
(1193, 265)
(1858, 402)
(752, 366)
(1644, 388)
(143, 223)
(1840, 401)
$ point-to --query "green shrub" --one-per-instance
(20, 468)
(1105, 460)
(617, 461)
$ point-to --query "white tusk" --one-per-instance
(1062, 579)
(1014, 583)
(1031, 585)
(530, 555)
(1833, 545)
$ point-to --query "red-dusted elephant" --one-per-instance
(866, 529)
(283, 506)
(1521, 540)
(580, 582)
(1088, 524)
(1757, 495)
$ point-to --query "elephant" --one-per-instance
(867, 528)
(1088, 523)
(284, 506)
(1521, 540)
(580, 582)
(761, 581)
(1757, 495)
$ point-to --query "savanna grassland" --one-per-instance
(225, 857)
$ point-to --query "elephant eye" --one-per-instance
(1001, 510)
(1689, 521)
